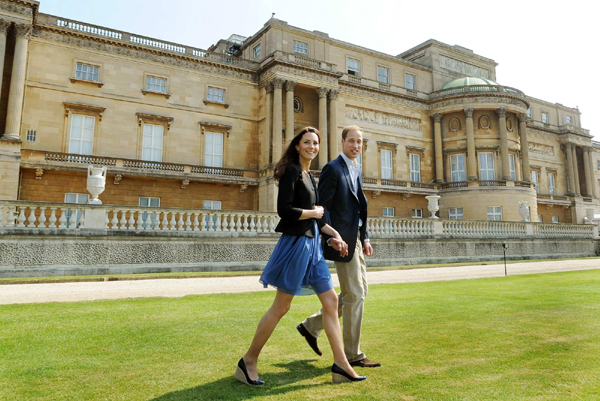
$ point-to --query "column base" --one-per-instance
(11, 137)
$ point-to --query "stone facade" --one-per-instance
(189, 126)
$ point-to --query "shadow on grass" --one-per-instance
(228, 388)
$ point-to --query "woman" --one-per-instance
(297, 266)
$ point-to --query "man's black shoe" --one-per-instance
(312, 341)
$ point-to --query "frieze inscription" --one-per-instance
(393, 120)
(463, 68)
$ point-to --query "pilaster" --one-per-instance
(323, 148)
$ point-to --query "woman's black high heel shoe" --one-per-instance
(242, 375)
(339, 375)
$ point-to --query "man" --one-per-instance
(345, 204)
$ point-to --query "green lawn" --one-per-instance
(533, 337)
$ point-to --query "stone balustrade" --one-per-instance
(476, 89)
(38, 216)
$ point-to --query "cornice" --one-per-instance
(356, 89)
(115, 46)
(471, 99)
(274, 67)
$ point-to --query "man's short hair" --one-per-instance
(350, 128)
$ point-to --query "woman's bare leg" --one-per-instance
(331, 324)
(265, 328)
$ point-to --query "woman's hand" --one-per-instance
(318, 212)
(339, 245)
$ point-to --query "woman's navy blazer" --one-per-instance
(297, 191)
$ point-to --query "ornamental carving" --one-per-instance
(454, 124)
(290, 85)
(386, 97)
(333, 94)
(23, 30)
(17, 8)
(540, 148)
(322, 92)
(469, 112)
(143, 117)
(4, 25)
(299, 73)
(489, 98)
(392, 120)
(542, 133)
(484, 122)
(462, 67)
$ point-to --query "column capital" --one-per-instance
(322, 91)
(4, 25)
(501, 112)
(333, 94)
(437, 117)
(469, 112)
(269, 87)
(522, 117)
(278, 83)
(290, 85)
(23, 30)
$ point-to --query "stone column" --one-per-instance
(289, 109)
(524, 146)
(14, 110)
(471, 156)
(570, 171)
(323, 148)
(575, 172)
(334, 137)
(586, 171)
(594, 190)
(268, 139)
(437, 138)
(277, 117)
(4, 25)
(501, 112)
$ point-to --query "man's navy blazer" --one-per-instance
(343, 206)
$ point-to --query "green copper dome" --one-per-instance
(468, 81)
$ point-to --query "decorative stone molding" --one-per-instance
(333, 94)
(299, 72)
(39, 172)
(142, 117)
(278, 83)
(243, 187)
(501, 112)
(86, 108)
(415, 149)
(184, 184)
(4, 25)
(290, 85)
(268, 87)
(211, 126)
(470, 99)
(437, 117)
(522, 117)
(147, 92)
(454, 124)
(387, 145)
(405, 196)
(23, 30)
(509, 124)
(206, 102)
(542, 133)
(540, 148)
(484, 122)
(463, 68)
(394, 98)
(118, 178)
(23, 8)
(322, 92)
(375, 194)
(393, 120)
(469, 112)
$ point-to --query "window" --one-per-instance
(409, 81)
(30, 136)
(382, 75)
(87, 72)
(535, 178)
(213, 205)
(300, 47)
(456, 213)
(153, 142)
(494, 213)
(540, 218)
(213, 155)
(82, 134)
(353, 66)
(544, 117)
(389, 212)
(417, 213)
(486, 166)
(569, 120)
(149, 202)
(386, 164)
(457, 168)
(216, 95)
(256, 51)
(359, 161)
(298, 106)
(529, 112)
(511, 161)
(156, 84)
(551, 184)
(80, 199)
(555, 219)
(415, 167)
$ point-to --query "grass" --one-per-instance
(532, 337)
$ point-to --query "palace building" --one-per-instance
(182, 127)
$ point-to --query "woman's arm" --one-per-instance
(336, 240)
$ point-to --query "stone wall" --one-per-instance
(51, 252)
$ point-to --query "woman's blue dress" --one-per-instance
(297, 266)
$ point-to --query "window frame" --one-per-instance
(387, 170)
(151, 146)
(387, 210)
(545, 117)
(552, 183)
(513, 166)
(147, 90)
(348, 69)
(297, 46)
(415, 174)
(456, 213)
(536, 180)
(211, 134)
(256, 51)
(68, 211)
(74, 78)
(212, 203)
(487, 170)
(569, 119)
(407, 81)
(416, 213)
(463, 171)
(496, 212)
(387, 74)
(211, 100)
(85, 118)
(81, 109)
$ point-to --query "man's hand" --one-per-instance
(368, 248)
(339, 245)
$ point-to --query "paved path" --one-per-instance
(89, 291)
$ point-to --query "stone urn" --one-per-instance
(524, 211)
(589, 216)
(96, 182)
(433, 205)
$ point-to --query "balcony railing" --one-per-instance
(476, 89)
(455, 184)
(492, 183)
(57, 219)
